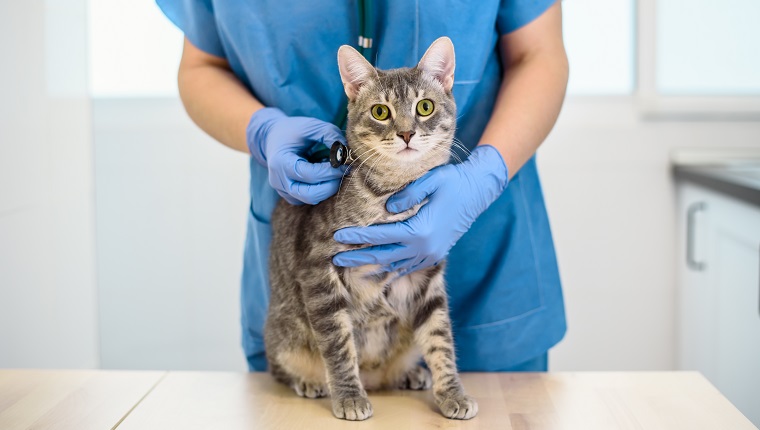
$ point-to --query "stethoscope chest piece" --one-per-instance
(338, 154)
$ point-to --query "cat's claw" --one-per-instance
(310, 389)
(459, 407)
(417, 379)
(352, 408)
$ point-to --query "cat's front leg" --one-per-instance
(327, 309)
(432, 332)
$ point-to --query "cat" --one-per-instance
(342, 331)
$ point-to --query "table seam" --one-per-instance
(121, 420)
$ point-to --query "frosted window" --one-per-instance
(708, 47)
(134, 49)
(600, 42)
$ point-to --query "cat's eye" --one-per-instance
(380, 112)
(425, 107)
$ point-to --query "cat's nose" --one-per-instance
(406, 135)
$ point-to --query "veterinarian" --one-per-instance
(260, 76)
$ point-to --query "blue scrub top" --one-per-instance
(502, 277)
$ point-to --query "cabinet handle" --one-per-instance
(690, 214)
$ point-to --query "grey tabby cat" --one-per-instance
(346, 330)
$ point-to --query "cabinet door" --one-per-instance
(696, 313)
(736, 257)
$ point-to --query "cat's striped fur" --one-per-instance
(338, 331)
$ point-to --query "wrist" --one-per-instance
(258, 127)
(489, 162)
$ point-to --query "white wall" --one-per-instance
(171, 213)
(128, 63)
(610, 195)
(47, 258)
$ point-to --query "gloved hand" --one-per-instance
(277, 141)
(457, 193)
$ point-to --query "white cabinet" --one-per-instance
(697, 316)
(719, 293)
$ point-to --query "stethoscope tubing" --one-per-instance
(339, 153)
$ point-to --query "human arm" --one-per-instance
(215, 98)
(528, 102)
(532, 90)
(223, 107)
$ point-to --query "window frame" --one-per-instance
(652, 105)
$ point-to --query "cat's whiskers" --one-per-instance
(380, 158)
(430, 144)
(353, 160)
(357, 158)
(371, 151)
(374, 153)
(454, 155)
(377, 158)
(459, 144)
(462, 148)
(441, 149)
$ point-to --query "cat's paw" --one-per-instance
(416, 379)
(311, 390)
(458, 407)
(352, 408)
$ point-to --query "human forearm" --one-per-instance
(532, 91)
(214, 98)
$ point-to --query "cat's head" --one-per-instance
(401, 122)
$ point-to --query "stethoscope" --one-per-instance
(339, 152)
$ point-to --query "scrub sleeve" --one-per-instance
(196, 19)
(514, 14)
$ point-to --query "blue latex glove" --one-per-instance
(278, 141)
(457, 193)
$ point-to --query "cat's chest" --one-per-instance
(384, 323)
(371, 211)
(380, 296)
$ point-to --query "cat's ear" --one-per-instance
(439, 62)
(355, 70)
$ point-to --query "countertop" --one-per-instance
(732, 172)
(81, 400)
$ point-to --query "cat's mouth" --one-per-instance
(408, 154)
